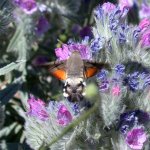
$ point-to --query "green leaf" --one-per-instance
(7, 93)
(11, 66)
(18, 43)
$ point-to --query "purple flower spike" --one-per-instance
(64, 116)
(28, 6)
(66, 50)
(136, 138)
(37, 108)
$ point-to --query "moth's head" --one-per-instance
(74, 89)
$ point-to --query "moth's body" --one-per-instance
(74, 85)
(74, 66)
(74, 71)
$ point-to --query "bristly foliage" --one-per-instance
(6, 16)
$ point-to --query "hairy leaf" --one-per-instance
(11, 66)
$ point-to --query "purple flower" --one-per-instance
(144, 11)
(75, 108)
(122, 38)
(136, 137)
(37, 108)
(147, 81)
(136, 35)
(64, 117)
(28, 6)
(66, 50)
(120, 69)
(40, 60)
(86, 31)
(145, 39)
(114, 20)
(132, 80)
(104, 86)
(102, 75)
(42, 26)
(131, 118)
(144, 24)
(137, 81)
(99, 13)
(108, 7)
(97, 44)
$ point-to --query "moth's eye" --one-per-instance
(80, 84)
(68, 85)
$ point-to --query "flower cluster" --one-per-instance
(106, 82)
(132, 126)
(137, 81)
(132, 118)
(65, 51)
(48, 120)
(134, 81)
(38, 109)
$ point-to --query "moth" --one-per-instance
(74, 71)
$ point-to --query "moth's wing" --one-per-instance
(91, 68)
(57, 69)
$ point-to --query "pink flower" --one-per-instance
(108, 7)
(28, 6)
(37, 108)
(145, 39)
(144, 11)
(125, 4)
(116, 90)
(66, 50)
(144, 24)
(64, 117)
(136, 138)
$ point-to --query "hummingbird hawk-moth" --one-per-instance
(74, 71)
